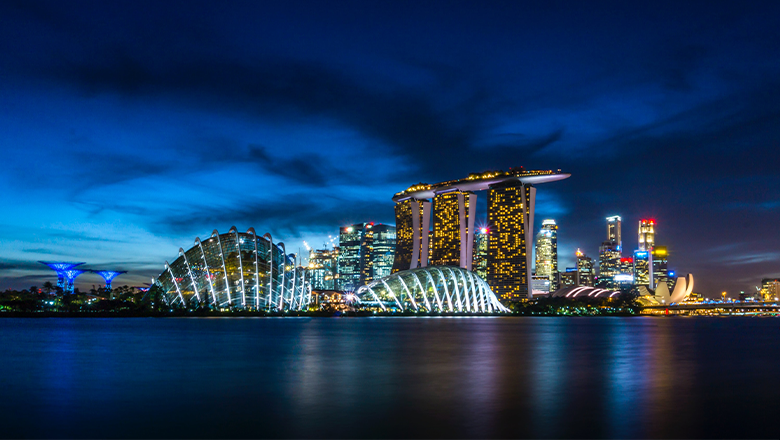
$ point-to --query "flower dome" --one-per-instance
(235, 270)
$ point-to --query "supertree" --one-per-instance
(70, 276)
(108, 275)
(60, 268)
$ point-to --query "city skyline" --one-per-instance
(125, 137)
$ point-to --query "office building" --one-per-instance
(585, 269)
(643, 268)
(624, 279)
(646, 235)
(609, 264)
(354, 264)
(322, 269)
(479, 266)
(547, 252)
(382, 250)
(670, 279)
(614, 232)
(626, 266)
(660, 266)
(569, 278)
(770, 289)
(540, 284)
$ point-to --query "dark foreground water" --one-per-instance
(390, 377)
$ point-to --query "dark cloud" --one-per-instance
(667, 110)
(313, 169)
(291, 217)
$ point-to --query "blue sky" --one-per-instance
(130, 128)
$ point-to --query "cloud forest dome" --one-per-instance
(432, 289)
(235, 270)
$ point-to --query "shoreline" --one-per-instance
(283, 315)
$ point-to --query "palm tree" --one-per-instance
(48, 287)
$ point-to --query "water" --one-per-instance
(390, 377)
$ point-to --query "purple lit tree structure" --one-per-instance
(70, 276)
(108, 275)
(60, 268)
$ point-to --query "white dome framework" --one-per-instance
(432, 289)
(235, 270)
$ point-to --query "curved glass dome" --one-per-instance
(438, 289)
(235, 270)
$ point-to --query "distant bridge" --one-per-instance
(735, 308)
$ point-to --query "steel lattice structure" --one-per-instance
(432, 289)
(235, 270)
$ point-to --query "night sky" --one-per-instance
(130, 128)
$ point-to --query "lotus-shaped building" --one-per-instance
(237, 270)
(432, 289)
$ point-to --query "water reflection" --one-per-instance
(547, 384)
(385, 377)
(626, 363)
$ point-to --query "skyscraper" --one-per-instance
(646, 235)
(609, 264)
(547, 252)
(660, 266)
(481, 253)
(510, 219)
(585, 269)
(354, 266)
(614, 233)
(321, 271)
(453, 229)
(643, 268)
(383, 250)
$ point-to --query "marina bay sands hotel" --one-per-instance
(510, 214)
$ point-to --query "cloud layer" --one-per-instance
(139, 126)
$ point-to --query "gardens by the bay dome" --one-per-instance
(236, 270)
(432, 289)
